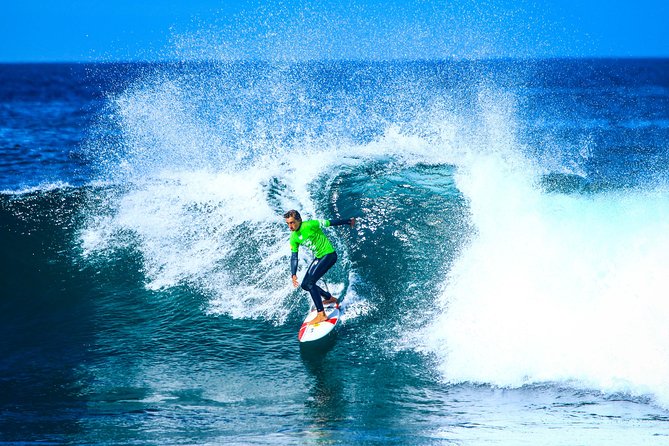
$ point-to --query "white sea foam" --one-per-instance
(554, 287)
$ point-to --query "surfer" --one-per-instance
(310, 234)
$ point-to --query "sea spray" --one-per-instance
(209, 156)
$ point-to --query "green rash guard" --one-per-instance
(311, 235)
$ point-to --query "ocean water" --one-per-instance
(506, 282)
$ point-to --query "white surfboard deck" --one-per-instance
(313, 332)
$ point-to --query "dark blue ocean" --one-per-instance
(506, 282)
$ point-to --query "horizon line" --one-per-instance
(327, 60)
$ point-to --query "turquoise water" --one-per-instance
(504, 284)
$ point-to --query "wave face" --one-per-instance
(512, 224)
(514, 207)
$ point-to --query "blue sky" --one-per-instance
(89, 30)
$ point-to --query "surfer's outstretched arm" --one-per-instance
(346, 221)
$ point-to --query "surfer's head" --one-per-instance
(293, 219)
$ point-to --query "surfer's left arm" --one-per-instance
(346, 221)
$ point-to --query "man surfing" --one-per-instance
(310, 234)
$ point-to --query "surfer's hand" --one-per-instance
(295, 284)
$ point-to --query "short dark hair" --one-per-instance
(293, 213)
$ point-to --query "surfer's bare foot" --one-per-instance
(332, 300)
(320, 317)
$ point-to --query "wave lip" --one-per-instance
(44, 187)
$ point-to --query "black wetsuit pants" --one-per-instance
(317, 269)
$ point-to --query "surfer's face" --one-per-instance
(293, 224)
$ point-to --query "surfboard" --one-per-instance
(313, 332)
